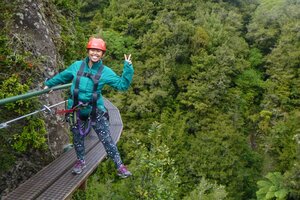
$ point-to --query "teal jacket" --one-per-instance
(86, 85)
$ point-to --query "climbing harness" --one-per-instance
(95, 79)
(73, 114)
(73, 109)
(73, 118)
(44, 109)
(81, 126)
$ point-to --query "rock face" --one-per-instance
(35, 31)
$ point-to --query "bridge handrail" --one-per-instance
(33, 93)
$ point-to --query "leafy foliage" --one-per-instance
(12, 87)
(214, 104)
(18, 66)
(32, 136)
(212, 74)
(272, 187)
(206, 191)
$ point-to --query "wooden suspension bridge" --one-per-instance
(55, 181)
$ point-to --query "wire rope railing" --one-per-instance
(30, 95)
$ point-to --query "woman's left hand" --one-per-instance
(128, 59)
(46, 87)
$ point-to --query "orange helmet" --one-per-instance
(96, 43)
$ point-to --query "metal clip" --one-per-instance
(47, 109)
(3, 125)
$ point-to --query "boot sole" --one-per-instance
(76, 173)
(124, 176)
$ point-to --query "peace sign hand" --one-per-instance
(128, 59)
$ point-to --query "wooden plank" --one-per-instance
(115, 118)
(50, 182)
(49, 174)
(108, 105)
(69, 182)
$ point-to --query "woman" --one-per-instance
(86, 105)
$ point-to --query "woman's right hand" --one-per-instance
(128, 59)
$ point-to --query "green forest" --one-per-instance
(214, 108)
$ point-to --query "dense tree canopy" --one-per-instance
(213, 112)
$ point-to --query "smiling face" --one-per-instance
(95, 55)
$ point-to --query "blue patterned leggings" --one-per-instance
(101, 128)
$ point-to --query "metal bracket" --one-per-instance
(3, 125)
(47, 109)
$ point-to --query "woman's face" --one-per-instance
(95, 54)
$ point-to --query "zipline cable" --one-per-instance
(45, 108)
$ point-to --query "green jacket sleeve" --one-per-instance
(121, 82)
(63, 77)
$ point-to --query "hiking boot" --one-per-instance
(78, 167)
(123, 172)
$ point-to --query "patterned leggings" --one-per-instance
(101, 127)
